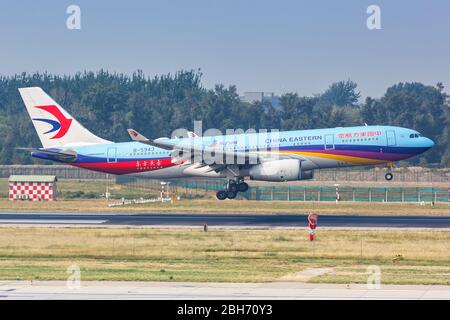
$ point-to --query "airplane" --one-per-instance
(280, 156)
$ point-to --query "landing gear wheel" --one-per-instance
(231, 194)
(221, 195)
(242, 187)
(388, 176)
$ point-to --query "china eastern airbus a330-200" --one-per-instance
(265, 156)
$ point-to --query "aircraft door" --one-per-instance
(112, 155)
(390, 138)
(329, 142)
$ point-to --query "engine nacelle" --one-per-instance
(280, 170)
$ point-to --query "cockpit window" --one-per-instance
(415, 135)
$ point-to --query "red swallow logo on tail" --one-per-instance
(61, 126)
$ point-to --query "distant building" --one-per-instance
(32, 188)
(252, 97)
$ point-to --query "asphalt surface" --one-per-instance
(223, 220)
(55, 290)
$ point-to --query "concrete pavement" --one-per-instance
(190, 290)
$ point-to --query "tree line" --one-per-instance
(109, 103)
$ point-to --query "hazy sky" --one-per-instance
(259, 45)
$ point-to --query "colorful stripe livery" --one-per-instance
(357, 155)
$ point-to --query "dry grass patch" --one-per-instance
(231, 206)
(222, 255)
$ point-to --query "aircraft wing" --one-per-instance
(188, 153)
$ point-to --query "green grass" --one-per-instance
(223, 255)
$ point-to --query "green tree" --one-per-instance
(109, 103)
(417, 106)
(341, 94)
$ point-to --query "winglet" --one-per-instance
(136, 136)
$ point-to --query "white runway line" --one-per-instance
(50, 221)
(212, 291)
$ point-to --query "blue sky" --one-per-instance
(279, 46)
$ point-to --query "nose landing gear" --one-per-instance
(233, 187)
(389, 176)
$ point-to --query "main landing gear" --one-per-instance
(389, 176)
(233, 187)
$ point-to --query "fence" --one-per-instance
(61, 171)
(195, 188)
(376, 174)
(321, 193)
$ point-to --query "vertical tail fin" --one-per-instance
(54, 125)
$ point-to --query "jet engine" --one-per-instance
(280, 170)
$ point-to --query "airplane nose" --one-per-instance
(429, 143)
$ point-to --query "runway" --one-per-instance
(221, 220)
(212, 291)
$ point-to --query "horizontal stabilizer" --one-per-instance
(52, 154)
